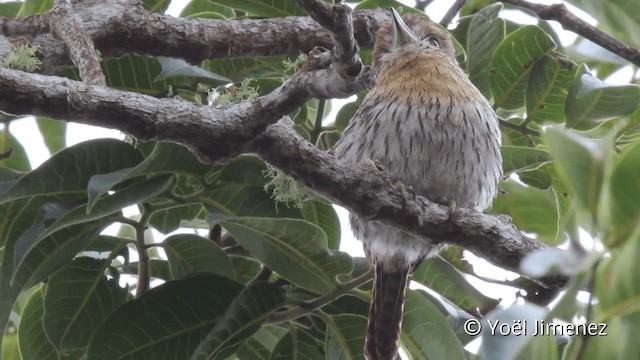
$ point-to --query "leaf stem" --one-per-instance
(144, 263)
(518, 127)
(307, 307)
(317, 127)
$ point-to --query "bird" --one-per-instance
(431, 130)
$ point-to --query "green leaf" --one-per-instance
(241, 200)
(53, 132)
(189, 254)
(547, 89)
(591, 100)
(10, 9)
(620, 211)
(177, 67)
(241, 68)
(156, 5)
(426, 333)
(48, 255)
(374, 4)
(167, 322)
(34, 7)
(261, 344)
(78, 298)
(581, 162)
(480, 34)
(196, 8)
(298, 344)
(521, 158)
(109, 205)
(512, 61)
(264, 8)
(165, 158)
(442, 277)
(501, 335)
(243, 318)
(531, 210)
(18, 160)
(69, 171)
(33, 341)
(322, 213)
(345, 336)
(295, 249)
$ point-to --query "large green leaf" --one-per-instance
(53, 132)
(620, 211)
(242, 200)
(531, 210)
(78, 298)
(426, 333)
(480, 35)
(547, 89)
(69, 171)
(298, 344)
(322, 213)
(591, 100)
(10, 8)
(242, 319)
(165, 158)
(443, 278)
(295, 249)
(512, 62)
(172, 67)
(266, 8)
(189, 254)
(208, 9)
(262, 343)
(18, 159)
(521, 158)
(581, 162)
(345, 336)
(508, 331)
(167, 322)
(33, 341)
(106, 206)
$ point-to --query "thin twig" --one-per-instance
(518, 127)
(308, 307)
(569, 21)
(451, 13)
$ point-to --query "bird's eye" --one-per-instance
(433, 41)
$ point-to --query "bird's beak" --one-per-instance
(401, 31)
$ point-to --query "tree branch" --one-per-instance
(451, 13)
(569, 21)
(66, 25)
(218, 133)
(120, 27)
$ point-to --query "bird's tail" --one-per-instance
(385, 314)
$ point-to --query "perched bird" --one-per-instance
(431, 130)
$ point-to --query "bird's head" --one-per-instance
(410, 34)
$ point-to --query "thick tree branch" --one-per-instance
(217, 133)
(120, 27)
(569, 21)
